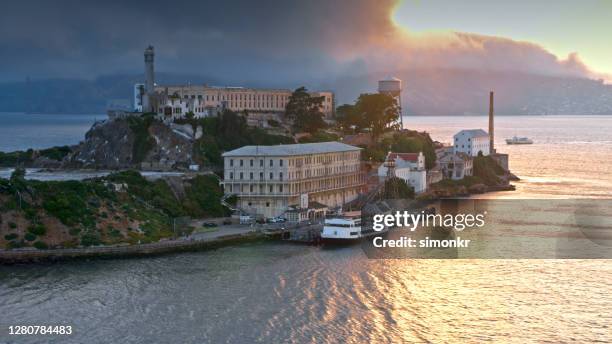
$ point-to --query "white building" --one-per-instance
(471, 142)
(205, 100)
(268, 180)
(139, 91)
(409, 167)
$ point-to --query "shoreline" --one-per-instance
(11, 257)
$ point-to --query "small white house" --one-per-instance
(471, 142)
(409, 167)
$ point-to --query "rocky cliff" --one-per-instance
(134, 142)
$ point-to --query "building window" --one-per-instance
(251, 175)
(231, 175)
(280, 175)
(267, 204)
(250, 204)
(270, 188)
(271, 175)
(241, 176)
(261, 163)
(261, 176)
(281, 162)
(251, 162)
(271, 162)
(231, 162)
(280, 188)
(251, 188)
(241, 163)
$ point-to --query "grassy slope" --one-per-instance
(91, 212)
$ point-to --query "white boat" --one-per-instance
(346, 227)
(519, 141)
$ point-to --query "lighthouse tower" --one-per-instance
(149, 56)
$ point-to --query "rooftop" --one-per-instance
(473, 132)
(295, 149)
(414, 157)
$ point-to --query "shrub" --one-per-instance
(12, 225)
(143, 142)
(11, 236)
(41, 245)
(30, 236)
(15, 244)
(90, 238)
(55, 153)
(74, 231)
(38, 229)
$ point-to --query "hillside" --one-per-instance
(121, 208)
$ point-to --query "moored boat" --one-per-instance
(346, 227)
(519, 141)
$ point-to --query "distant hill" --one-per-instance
(77, 96)
(426, 92)
(465, 92)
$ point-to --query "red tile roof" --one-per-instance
(413, 157)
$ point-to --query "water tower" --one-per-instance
(393, 87)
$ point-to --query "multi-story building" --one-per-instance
(270, 179)
(205, 100)
(409, 167)
(471, 142)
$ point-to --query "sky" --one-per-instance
(278, 42)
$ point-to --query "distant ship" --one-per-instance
(519, 141)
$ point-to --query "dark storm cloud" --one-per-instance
(239, 39)
(244, 42)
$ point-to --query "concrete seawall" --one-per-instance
(33, 256)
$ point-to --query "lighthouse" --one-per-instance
(149, 56)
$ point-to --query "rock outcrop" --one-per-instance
(134, 143)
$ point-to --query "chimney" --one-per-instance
(491, 125)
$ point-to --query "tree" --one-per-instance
(397, 188)
(379, 111)
(305, 111)
(349, 119)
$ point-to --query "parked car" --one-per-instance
(246, 219)
(277, 219)
(209, 224)
(227, 222)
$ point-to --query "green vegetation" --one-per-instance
(17, 158)
(397, 188)
(488, 170)
(11, 236)
(25, 158)
(273, 123)
(37, 229)
(29, 236)
(92, 213)
(320, 136)
(41, 245)
(55, 153)
(305, 111)
(143, 142)
(376, 113)
(202, 198)
(226, 132)
(406, 141)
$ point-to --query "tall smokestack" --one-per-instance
(149, 56)
(491, 124)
